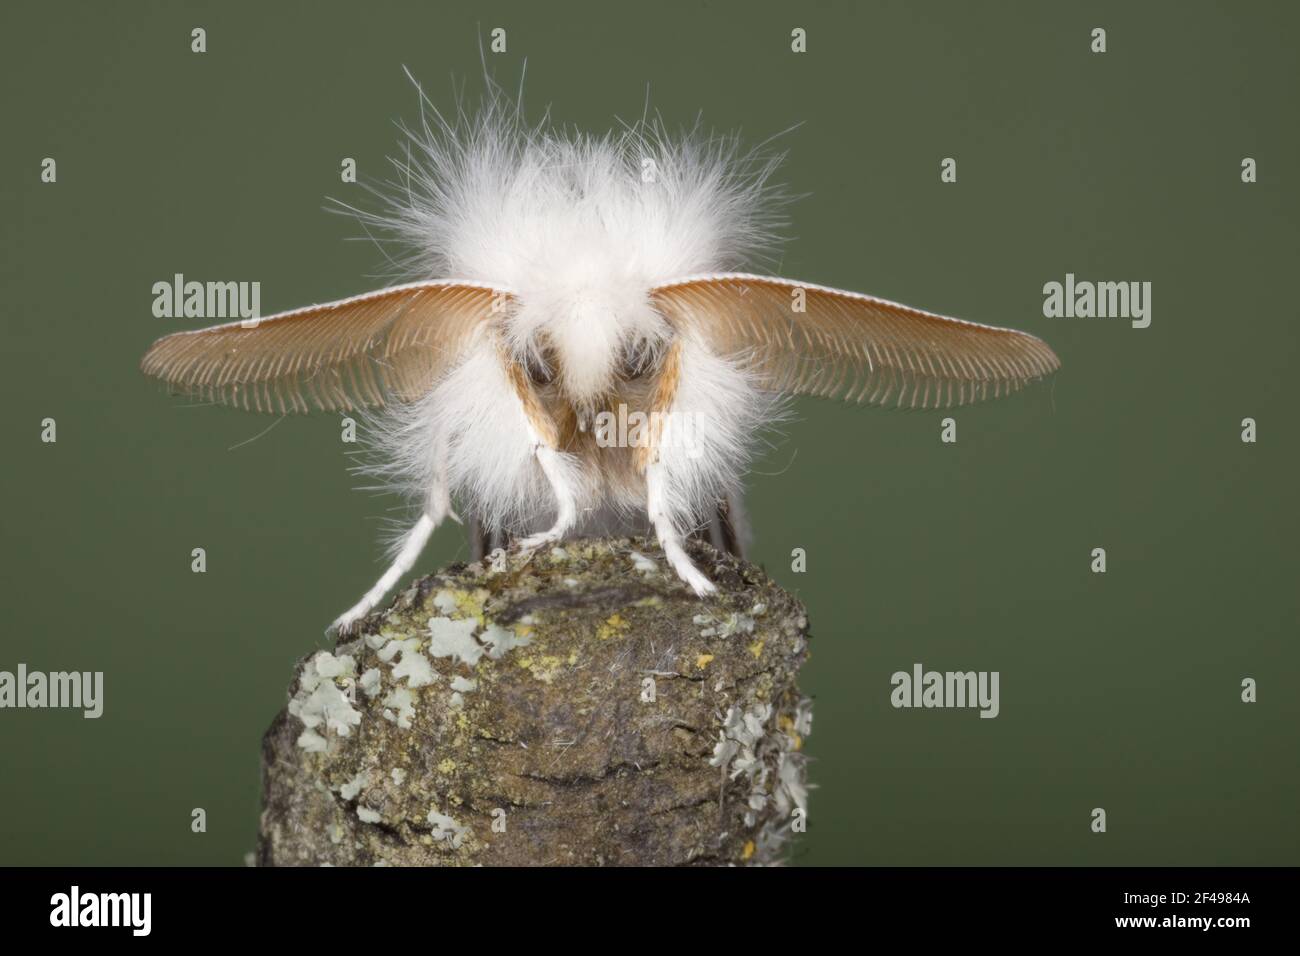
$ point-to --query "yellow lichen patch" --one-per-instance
(703, 661)
(470, 603)
(614, 624)
(573, 658)
(748, 851)
(545, 668)
(756, 648)
(653, 600)
(523, 630)
(786, 725)
(462, 721)
(447, 766)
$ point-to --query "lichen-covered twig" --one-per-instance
(580, 706)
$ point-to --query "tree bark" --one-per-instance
(579, 706)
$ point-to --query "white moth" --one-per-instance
(582, 350)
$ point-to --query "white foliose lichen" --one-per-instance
(792, 787)
(447, 830)
(803, 717)
(448, 638)
(455, 639)
(736, 624)
(319, 700)
(414, 666)
(313, 742)
(769, 760)
(502, 640)
(329, 666)
(736, 749)
(399, 707)
(641, 563)
(791, 790)
(354, 786)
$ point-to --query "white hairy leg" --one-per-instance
(439, 505)
(543, 438)
(670, 539)
(414, 543)
(566, 503)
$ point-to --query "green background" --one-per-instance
(1119, 690)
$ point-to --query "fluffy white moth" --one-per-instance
(582, 349)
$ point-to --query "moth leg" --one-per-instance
(483, 540)
(412, 545)
(545, 438)
(648, 457)
(670, 539)
(566, 499)
(439, 504)
(737, 522)
(725, 530)
(437, 508)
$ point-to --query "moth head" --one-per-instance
(588, 340)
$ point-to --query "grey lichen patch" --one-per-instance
(446, 830)
(766, 755)
(641, 563)
(414, 666)
(320, 703)
(501, 640)
(455, 639)
(566, 707)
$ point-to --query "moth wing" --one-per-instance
(852, 346)
(368, 350)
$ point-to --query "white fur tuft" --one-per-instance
(579, 229)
